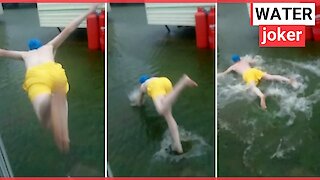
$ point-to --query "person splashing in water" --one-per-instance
(252, 76)
(46, 82)
(164, 96)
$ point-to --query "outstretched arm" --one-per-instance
(142, 92)
(59, 39)
(11, 54)
(141, 99)
(225, 72)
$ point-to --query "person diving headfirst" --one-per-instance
(252, 76)
(164, 96)
(46, 82)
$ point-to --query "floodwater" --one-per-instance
(283, 140)
(31, 149)
(137, 136)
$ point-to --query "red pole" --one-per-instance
(102, 29)
(93, 31)
(201, 29)
(211, 28)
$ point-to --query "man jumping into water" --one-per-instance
(252, 76)
(46, 82)
(163, 96)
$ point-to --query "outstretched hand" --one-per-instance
(219, 75)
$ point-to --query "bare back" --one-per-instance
(241, 66)
(39, 56)
(46, 52)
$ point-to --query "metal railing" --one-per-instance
(5, 168)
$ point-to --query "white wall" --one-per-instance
(61, 14)
(178, 14)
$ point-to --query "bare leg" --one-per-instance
(166, 102)
(277, 78)
(258, 92)
(163, 105)
(173, 128)
(42, 108)
(59, 119)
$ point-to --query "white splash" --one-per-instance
(199, 147)
(232, 92)
(313, 67)
(282, 150)
(134, 97)
(293, 104)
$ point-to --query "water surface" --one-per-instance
(137, 137)
(284, 140)
(31, 149)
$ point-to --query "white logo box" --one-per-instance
(290, 14)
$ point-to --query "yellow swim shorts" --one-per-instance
(42, 79)
(158, 86)
(252, 74)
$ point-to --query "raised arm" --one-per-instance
(225, 72)
(59, 39)
(11, 54)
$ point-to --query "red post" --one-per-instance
(102, 29)
(317, 7)
(93, 31)
(316, 30)
(201, 29)
(211, 28)
(309, 33)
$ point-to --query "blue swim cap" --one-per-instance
(235, 58)
(143, 78)
(34, 44)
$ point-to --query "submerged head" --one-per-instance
(34, 44)
(143, 78)
(235, 58)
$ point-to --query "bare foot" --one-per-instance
(263, 103)
(176, 150)
(294, 83)
(189, 81)
(63, 144)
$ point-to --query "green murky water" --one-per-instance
(135, 134)
(30, 148)
(284, 140)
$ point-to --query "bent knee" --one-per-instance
(161, 112)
